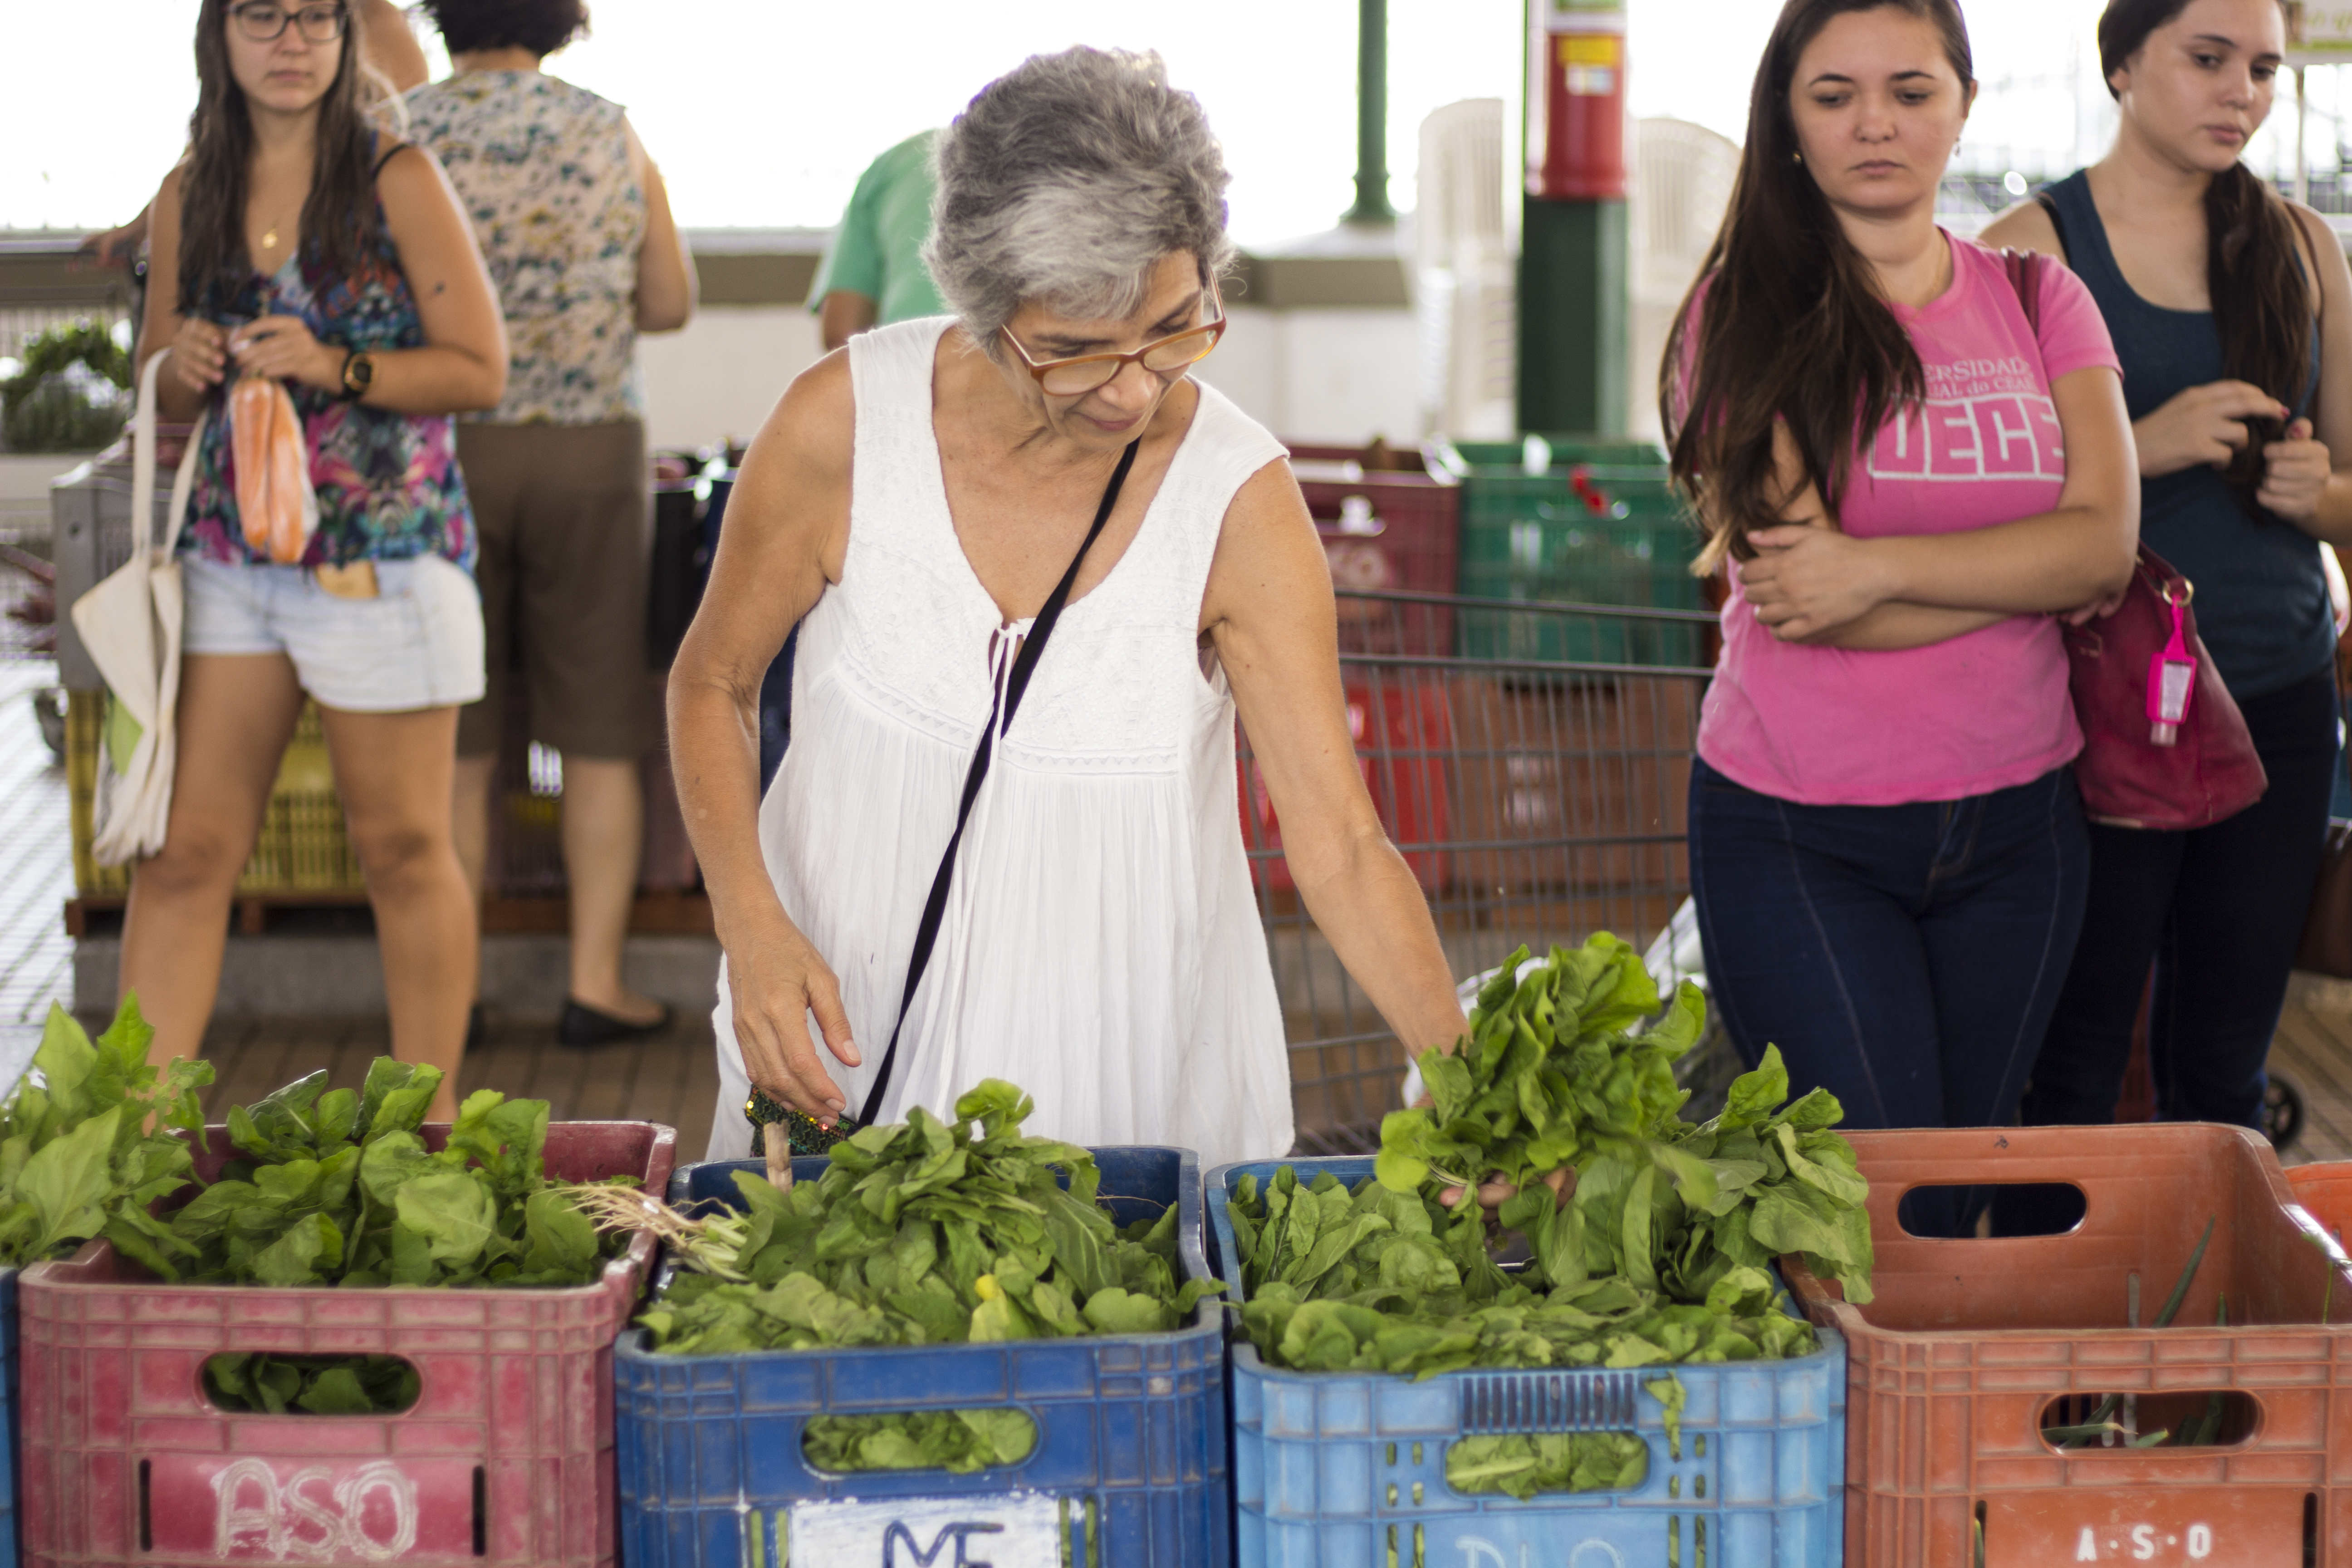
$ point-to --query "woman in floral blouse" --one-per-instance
(573, 219)
(295, 243)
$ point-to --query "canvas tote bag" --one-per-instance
(131, 624)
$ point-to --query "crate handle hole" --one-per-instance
(1536, 1464)
(958, 1441)
(2091, 1425)
(1991, 1210)
(258, 1382)
(481, 1511)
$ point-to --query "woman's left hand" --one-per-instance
(2295, 471)
(282, 348)
(1807, 582)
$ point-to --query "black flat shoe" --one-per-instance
(584, 1025)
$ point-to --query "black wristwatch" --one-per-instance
(359, 374)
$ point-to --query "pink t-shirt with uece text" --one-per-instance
(1987, 711)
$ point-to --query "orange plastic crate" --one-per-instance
(1953, 1368)
(2325, 1190)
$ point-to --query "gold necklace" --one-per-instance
(270, 237)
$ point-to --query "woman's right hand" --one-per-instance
(2202, 424)
(199, 353)
(775, 980)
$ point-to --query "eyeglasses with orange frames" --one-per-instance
(1168, 358)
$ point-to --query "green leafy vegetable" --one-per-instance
(90, 1140)
(957, 1440)
(316, 1384)
(338, 1187)
(923, 1232)
(1661, 1256)
(1526, 1465)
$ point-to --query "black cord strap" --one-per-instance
(764, 1112)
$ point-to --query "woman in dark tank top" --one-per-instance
(2231, 312)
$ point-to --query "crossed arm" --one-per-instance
(1812, 582)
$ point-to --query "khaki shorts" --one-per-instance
(563, 513)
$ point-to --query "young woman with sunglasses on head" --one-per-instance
(917, 496)
(298, 243)
(2233, 313)
(1887, 846)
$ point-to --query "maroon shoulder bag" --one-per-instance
(2163, 745)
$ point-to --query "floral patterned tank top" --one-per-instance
(388, 484)
(543, 168)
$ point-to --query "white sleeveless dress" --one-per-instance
(1101, 947)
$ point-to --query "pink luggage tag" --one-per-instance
(2171, 677)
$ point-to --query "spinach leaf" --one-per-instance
(959, 1441)
(316, 1384)
(1660, 1257)
(929, 1233)
(90, 1138)
(339, 1188)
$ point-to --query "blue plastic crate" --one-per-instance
(7, 1418)
(1333, 1469)
(1130, 1468)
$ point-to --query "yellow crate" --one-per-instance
(302, 847)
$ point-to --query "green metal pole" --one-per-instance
(1372, 115)
(1572, 310)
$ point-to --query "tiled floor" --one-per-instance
(2313, 1049)
(35, 857)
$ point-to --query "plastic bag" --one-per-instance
(273, 497)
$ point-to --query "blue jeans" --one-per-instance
(1905, 957)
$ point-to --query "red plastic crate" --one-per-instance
(506, 1458)
(1954, 1364)
(1386, 531)
(1404, 737)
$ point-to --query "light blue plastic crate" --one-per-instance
(1130, 1459)
(1340, 1470)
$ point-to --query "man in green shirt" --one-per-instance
(873, 272)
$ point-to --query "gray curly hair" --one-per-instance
(1065, 180)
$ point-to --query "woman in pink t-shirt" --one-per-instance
(1887, 852)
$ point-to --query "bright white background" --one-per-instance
(764, 111)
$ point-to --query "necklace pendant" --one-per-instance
(270, 237)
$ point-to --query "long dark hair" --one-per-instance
(340, 224)
(1794, 325)
(2254, 265)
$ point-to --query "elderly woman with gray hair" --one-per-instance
(984, 857)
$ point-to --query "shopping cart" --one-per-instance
(1536, 800)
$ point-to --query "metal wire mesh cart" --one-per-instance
(1536, 798)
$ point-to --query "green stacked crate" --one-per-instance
(1619, 537)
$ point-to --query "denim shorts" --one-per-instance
(418, 644)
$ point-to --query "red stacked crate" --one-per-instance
(1385, 530)
(506, 1458)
